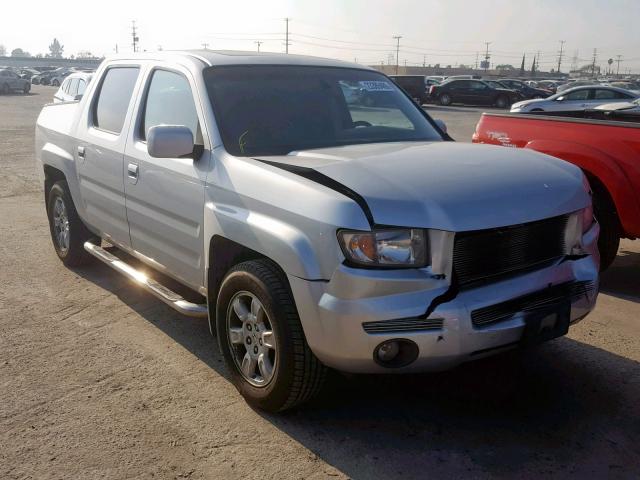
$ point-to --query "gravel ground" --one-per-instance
(100, 380)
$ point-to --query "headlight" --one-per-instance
(385, 248)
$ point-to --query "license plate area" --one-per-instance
(546, 324)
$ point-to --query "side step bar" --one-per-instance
(169, 297)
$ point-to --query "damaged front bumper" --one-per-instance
(345, 319)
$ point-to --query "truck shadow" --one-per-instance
(566, 408)
(622, 279)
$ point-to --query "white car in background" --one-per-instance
(73, 87)
(575, 99)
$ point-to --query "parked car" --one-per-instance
(317, 233)
(606, 147)
(58, 76)
(471, 92)
(10, 81)
(73, 87)
(575, 99)
(550, 85)
(527, 91)
(416, 86)
(28, 73)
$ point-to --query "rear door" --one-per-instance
(102, 138)
(459, 91)
(165, 196)
(479, 93)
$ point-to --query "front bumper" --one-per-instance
(333, 313)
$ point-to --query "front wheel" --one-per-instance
(55, 83)
(609, 239)
(502, 102)
(67, 230)
(261, 338)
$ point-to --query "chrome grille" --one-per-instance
(483, 255)
(403, 325)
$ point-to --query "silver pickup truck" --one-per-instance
(323, 218)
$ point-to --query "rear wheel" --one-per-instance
(67, 230)
(55, 83)
(4, 89)
(445, 99)
(261, 338)
(26, 88)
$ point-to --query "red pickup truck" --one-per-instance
(605, 145)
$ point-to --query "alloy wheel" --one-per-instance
(251, 339)
(61, 225)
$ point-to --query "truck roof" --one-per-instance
(237, 57)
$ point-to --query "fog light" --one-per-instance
(388, 351)
(395, 353)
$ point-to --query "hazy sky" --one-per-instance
(438, 31)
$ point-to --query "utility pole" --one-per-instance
(397, 38)
(424, 61)
(117, 50)
(134, 36)
(486, 56)
(477, 58)
(205, 45)
(562, 42)
(258, 43)
(619, 57)
(286, 41)
(593, 65)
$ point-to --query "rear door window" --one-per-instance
(114, 97)
(82, 86)
(73, 87)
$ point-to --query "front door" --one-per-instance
(165, 196)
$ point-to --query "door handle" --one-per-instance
(81, 152)
(132, 173)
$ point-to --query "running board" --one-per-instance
(169, 297)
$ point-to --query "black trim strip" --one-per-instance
(317, 177)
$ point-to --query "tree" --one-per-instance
(18, 52)
(55, 49)
(3, 51)
(522, 66)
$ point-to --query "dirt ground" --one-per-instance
(100, 380)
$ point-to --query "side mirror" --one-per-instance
(170, 141)
(441, 125)
(77, 98)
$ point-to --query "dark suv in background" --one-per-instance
(472, 92)
(527, 91)
(417, 86)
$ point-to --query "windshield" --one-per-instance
(274, 110)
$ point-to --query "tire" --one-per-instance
(502, 102)
(26, 89)
(609, 239)
(71, 251)
(444, 99)
(4, 89)
(55, 83)
(296, 374)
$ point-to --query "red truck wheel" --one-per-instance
(609, 240)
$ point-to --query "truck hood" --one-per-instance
(448, 186)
